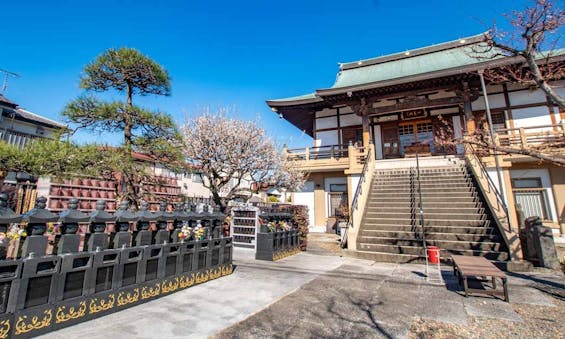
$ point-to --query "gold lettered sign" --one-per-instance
(63, 314)
(170, 286)
(4, 328)
(125, 298)
(100, 305)
(150, 292)
(23, 325)
(415, 114)
(185, 281)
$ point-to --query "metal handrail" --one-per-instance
(420, 203)
(359, 188)
(492, 187)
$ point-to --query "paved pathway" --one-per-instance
(309, 295)
(206, 309)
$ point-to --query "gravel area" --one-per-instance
(537, 322)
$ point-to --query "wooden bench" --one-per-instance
(466, 267)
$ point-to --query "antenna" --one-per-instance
(6, 75)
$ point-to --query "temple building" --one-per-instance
(381, 112)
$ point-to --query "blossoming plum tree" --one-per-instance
(233, 154)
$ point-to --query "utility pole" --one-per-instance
(6, 75)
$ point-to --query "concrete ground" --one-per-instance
(206, 309)
(314, 295)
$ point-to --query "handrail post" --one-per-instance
(420, 204)
(352, 155)
(523, 140)
(307, 153)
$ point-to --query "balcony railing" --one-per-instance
(18, 139)
(534, 136)
(318, 153)
(328, 157)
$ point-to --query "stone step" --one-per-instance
(370, 222)
(392, 199)
(428, 205)
(441, 243)
(428, 177)
(427, 215)
(424, 189)
(426, 183)
(366, 235)
(423, 178)
(483, 230)
(428, 208)
(419, 251)
(427, 193)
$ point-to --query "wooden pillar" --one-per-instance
(468, 110)
(366, 130)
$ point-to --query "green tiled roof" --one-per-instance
(407, 66)
(452, 56)
(356, 74)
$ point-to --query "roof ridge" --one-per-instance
(413, 52)
(40, 118)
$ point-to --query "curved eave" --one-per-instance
(300, 102)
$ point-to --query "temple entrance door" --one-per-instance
(416, 136)
(391, 141)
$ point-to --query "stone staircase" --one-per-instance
(455, 217)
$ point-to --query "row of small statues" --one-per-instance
(35, 244)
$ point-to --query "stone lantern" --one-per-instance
(180, 217)
(98, 240)
(144, 218)
(217, 220)
(37, 219)
(206, 218)
(190, 211)
(122, 236)
(69, 241)
(7, 217)
(163, 218)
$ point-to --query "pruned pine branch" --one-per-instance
(154, 134)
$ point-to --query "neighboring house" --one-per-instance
(408, 103)
(18, 126)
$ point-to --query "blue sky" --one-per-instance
(221, 53)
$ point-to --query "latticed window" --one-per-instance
(424, 128)
(498, 120)
(405, 129)
(531, 197)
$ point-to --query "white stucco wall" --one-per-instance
(306, 197)
(531, 116)
(378, 140)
